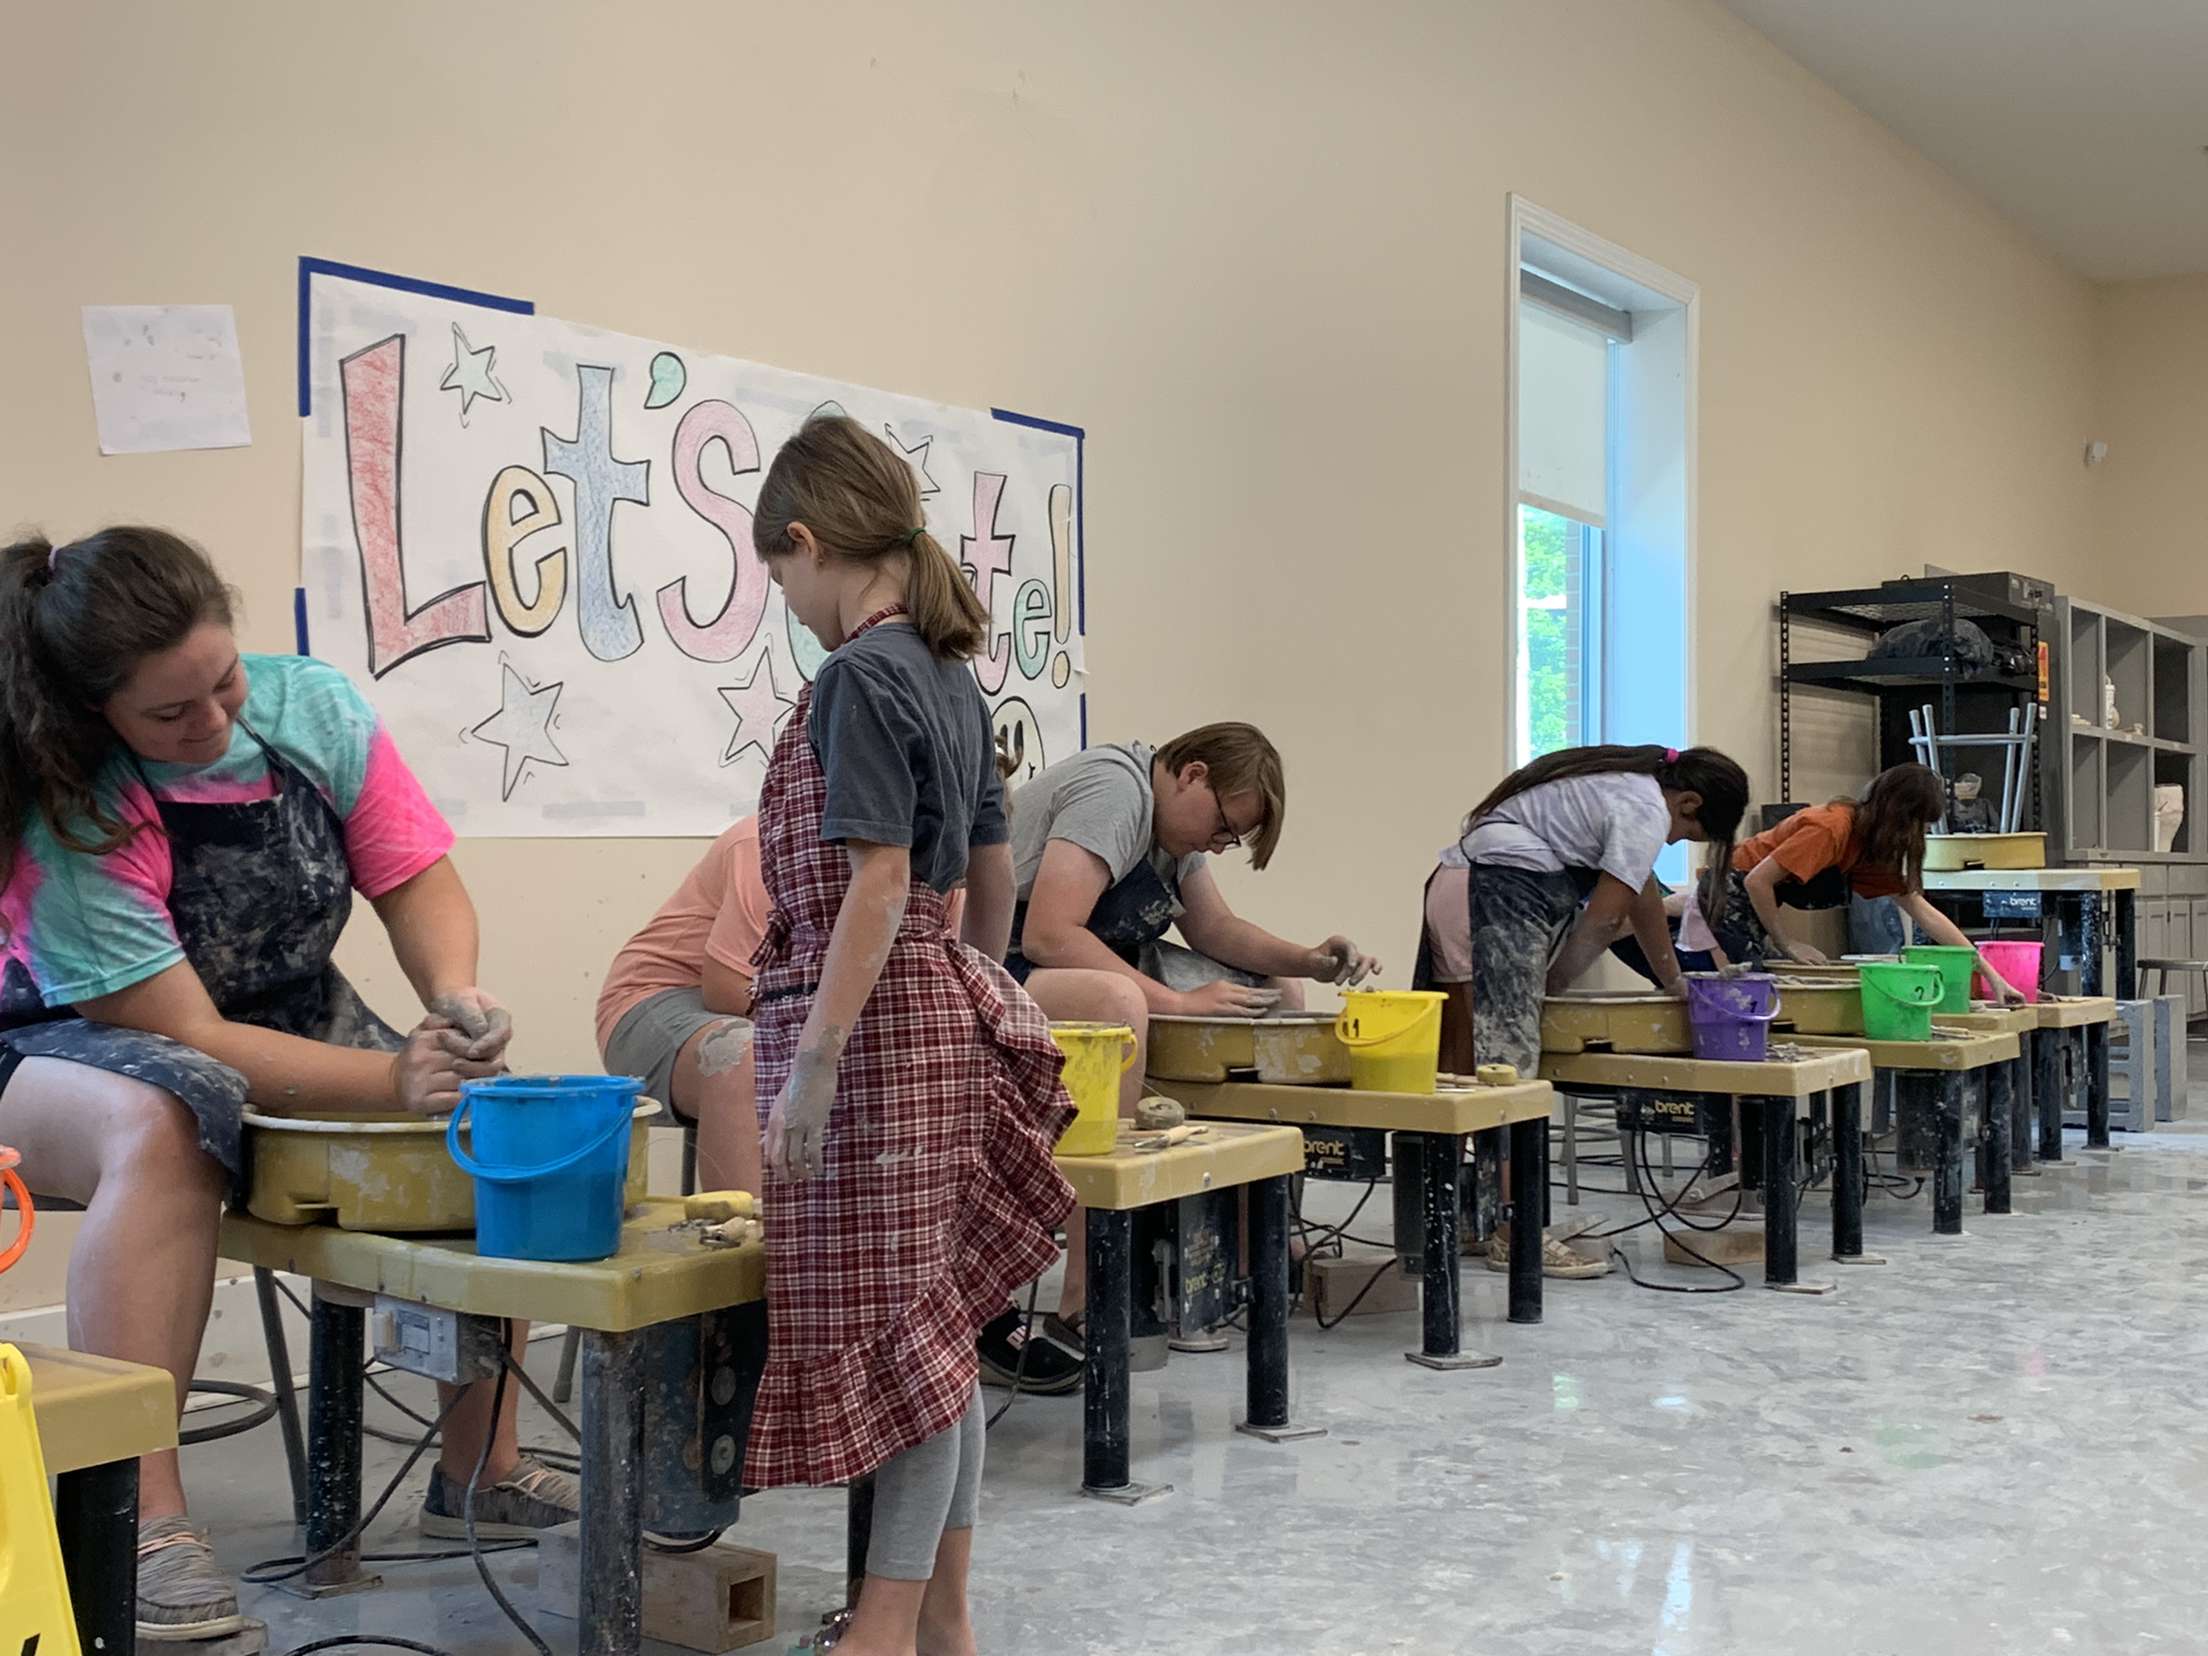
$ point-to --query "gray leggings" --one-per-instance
(932, 1487)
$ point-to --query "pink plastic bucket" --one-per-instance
(2017, 962)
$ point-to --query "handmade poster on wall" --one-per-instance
(530, 542)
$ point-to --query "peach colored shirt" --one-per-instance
(718, 913)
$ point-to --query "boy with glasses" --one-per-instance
(1109, 854)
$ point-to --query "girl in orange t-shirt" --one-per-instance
(1820, 857)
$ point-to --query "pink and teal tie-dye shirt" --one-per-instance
(84, 926)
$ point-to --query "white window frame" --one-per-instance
(1526, 218)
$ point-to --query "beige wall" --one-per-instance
(2152, 347)
(1256, 249)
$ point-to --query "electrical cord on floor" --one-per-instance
(271, 1571)
(1378, 1271)
(1648, 1178)
(1657, 1215)
(1019, 1369)
(467, 1506)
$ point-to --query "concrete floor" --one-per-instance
(1983, 1446)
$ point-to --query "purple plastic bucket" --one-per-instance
(1730, 1017)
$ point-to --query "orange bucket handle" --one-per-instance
(13, 1181)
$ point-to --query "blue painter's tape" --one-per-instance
(299, 617)
(1080, 526)
(1037, 422)
(311, 268)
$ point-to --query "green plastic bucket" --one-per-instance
(1957, 966)
(1899, 1000)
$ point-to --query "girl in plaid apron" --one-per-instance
(910, 1092)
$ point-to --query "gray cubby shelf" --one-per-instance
(2104, 773)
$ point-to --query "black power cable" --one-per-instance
(467, 1506)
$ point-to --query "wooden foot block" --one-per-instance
(1737, 1244)
(719, 1599)
(1329, 1285)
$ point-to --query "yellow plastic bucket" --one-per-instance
(1394, 1038)
(34, 1593)
(1097, 1055)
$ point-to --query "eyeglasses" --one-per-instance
(1227, 838)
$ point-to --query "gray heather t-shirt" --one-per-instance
(1100, 800)
(905, 740)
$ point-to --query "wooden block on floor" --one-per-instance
(1736, 1244)
(1330, 1285)
(719, 1599)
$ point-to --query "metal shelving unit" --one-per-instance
(1966, 702)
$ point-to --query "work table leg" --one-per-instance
(1998, 1121)
(2096, 1086)
(1947, 1154)
(610, 1606)
(1105, 1405)
(1440, 1290)
(1529, 1168)
(1268, 1345)
(334, 1384)
(2047, 1090)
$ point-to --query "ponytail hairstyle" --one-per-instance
(1722, 784)
(75, 621)
(1892, 816)
(862, 502)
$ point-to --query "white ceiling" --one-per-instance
(2081, 120)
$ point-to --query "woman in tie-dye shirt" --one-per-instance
(182, 828)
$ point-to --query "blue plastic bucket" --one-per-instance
(551, 1157)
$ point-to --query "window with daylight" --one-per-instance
(1563, 495)
(1602, 510)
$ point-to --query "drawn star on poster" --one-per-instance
(470, 373)
(760, 710)
(917, 457)
(522, 726)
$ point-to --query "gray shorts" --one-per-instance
(652, 1033)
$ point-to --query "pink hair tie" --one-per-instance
(53, 558)
(1671, 756)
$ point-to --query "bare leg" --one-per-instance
(716, 1086)
(946, 1625)
(471, 1418)
(887, 1620)
(1092, 997)
(1456, 1030)
(142, 1274)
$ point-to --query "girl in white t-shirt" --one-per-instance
(1553, 866)
(1561, 860)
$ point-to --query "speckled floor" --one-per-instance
(1987, 1445)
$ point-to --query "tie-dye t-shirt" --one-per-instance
(83, 926)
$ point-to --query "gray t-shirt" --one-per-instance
(905, 740)
(1102, 801)
(1614, 823)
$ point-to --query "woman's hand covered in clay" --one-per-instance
(797, 1126)
(1228, 999)
(426, 1073)
(480, 1027)
(1338, 960)
(1803, 954)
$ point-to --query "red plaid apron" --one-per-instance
(939, 1195)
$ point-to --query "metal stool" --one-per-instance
(2162, 967)
(278, 1400)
